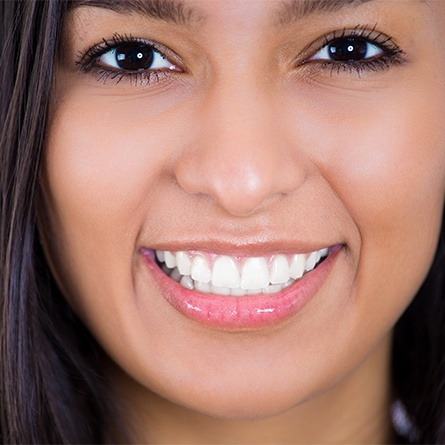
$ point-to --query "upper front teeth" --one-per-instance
(225, 272)
(255, 274)
(226, 275)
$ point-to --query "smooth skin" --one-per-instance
(246, 146)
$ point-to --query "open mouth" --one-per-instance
(236, 276)
(239, 292)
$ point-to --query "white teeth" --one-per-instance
(187, 282)
(220, 274)
(255, 274)
(273, 289)
(297, 264)
(202, 287)
(310, 262)
(220, 290)
(225, 273)
(170, 259)
(200, 269)
(184, 263)
(175, 275)
(237, 292)
(324, 252)
(280, 270)
(288, 283)
(160, 256)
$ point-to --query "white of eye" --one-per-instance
(159, 62)
(371, 51)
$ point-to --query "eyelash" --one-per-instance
(88, 62)
(393, 55)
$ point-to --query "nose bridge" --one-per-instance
(240, 157)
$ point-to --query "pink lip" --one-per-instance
(252, 311)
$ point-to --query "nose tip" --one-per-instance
(243, 195)
(250, 193)
(240, 156)
(241, 181)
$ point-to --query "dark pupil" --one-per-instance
(348, 49)
(134, 57)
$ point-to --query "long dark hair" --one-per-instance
(51, 387)
(418, 360)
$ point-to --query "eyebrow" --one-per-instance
(295, 10)
(174, 11)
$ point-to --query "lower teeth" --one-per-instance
(187, 282)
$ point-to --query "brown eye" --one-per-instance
(348, 49)
(134, 57)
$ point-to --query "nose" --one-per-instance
(240, 155)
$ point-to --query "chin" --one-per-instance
(239, 408)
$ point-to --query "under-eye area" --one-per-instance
(237, 276)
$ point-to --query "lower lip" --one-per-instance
(250, 311)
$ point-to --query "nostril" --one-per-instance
(241, 168)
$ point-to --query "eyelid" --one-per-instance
(88, 58)
(363, 31)
(325, 48)
(89, 62)
(111, 54)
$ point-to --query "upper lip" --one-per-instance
(245, 248)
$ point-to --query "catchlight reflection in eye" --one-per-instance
(351, 48)
(134, 56)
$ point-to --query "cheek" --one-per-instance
(398, 204)
(391, 174)
(385, 160)
(103, 165)
(101, 178)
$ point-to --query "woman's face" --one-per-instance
(253, 135)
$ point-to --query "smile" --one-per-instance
(239, 292)
(237, 276)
